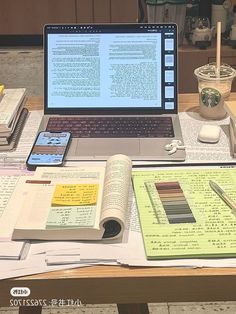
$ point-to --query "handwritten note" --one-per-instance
(75, 194)
(71, 217)
(73, 206)
(214, 232)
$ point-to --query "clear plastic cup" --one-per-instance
(214, 88)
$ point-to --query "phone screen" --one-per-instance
(49, 149)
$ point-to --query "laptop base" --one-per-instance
(135, 148)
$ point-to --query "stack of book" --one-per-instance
(230, 107)
(12, 117)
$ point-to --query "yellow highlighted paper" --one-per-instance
(75, 195)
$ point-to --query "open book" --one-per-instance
(75, 203)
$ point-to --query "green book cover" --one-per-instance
(182, 217)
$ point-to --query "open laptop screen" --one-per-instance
(130, 68)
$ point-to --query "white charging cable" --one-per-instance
(174, 146)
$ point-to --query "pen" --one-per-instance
(215, 187)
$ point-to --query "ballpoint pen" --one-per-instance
(215, 187)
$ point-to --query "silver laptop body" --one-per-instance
(112, 70)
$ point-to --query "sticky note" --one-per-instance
(75, 194)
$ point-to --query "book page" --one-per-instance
(116, 191)
(68, 197)
(8, 181)
(181, 216)
(64, 198)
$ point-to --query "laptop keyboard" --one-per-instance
(108, 127)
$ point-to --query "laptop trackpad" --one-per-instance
(107, 147)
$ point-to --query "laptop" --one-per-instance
(114, 86)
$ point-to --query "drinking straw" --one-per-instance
(218, 47)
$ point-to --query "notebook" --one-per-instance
(114, 86)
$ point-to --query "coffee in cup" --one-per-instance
(214, 87)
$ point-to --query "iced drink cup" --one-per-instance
(213, 89)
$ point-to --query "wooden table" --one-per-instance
(131, 288)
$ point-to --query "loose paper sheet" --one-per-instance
(196, 151)
(8, 181)
(7, 186)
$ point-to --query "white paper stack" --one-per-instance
(14, 250)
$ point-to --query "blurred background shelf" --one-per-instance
(22, 21)
(27, 17)
(191, 58)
